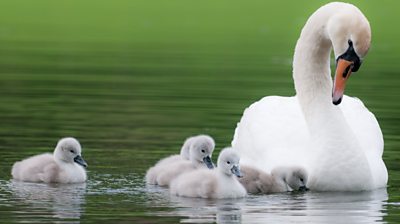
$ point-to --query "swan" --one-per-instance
(65, 165)
(195, 153)
(216, 183)
(335, 137)
(281, 179)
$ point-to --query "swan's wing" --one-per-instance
(369, 135)
(364, 125)
(271, 132)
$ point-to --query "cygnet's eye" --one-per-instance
(203, 151)
(301, 179)
(72, 151)
(228, 162)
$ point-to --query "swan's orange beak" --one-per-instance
(343, 71)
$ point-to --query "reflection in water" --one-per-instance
(201, 210)
(64, 201)
(309, 207)
(327, 207)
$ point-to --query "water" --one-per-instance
(131, 82)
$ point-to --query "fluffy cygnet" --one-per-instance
(195, 153)
(281, 179)
(217, 183)
(200, 153)
(65, 165)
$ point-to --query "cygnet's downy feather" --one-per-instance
(281, 179)
(65, 165)
(196, 153)
(217, 183)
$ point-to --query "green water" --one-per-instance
(132, 79)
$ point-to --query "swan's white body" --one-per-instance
(52, 168)
(216, 183)
(340, 146)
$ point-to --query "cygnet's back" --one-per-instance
(153, 172)
(281, 179)
(216, 183)
(170, 163)
(63, 166)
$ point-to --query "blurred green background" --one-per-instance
(132, 79)
(71, 66)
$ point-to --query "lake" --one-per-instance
(132, 79)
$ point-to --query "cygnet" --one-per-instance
(281, 179)
(217, 183)
(65, 165)
(195, 153)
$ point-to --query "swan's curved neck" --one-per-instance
(313, 81)
(311, 66)
(327, 125)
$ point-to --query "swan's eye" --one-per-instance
(72, 151)
(301, 179)
(203, 151)
(228, 162)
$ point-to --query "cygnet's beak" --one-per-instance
(78, 159)
(208, 162)
(303, 188)
(236, 171)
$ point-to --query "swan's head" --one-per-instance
(69, 150)
(350, 34)
(201, 149)
(228, 162)
(297, 179)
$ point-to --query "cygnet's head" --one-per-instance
(228, 162)
(69, 150)
(350, 34)
(201, 149)
(296, 178)
(185, 150)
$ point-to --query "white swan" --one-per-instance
(195, 153)
(281, 179)
(216, 183)
(65, 165)
(341, 146)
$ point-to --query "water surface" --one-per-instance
(132, 80)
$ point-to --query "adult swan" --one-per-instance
(340, 145)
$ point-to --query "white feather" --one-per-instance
(340, 146)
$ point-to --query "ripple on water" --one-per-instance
(113, 196)
(62, 202)
(356, 207)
